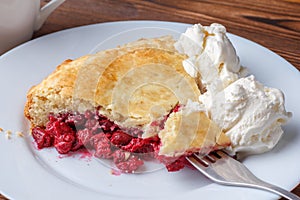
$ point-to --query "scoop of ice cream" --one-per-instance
(211, 56)
(250, 114)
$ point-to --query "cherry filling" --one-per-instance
(72, 131)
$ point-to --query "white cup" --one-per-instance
(20, 18)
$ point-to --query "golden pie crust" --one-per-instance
(133, 85)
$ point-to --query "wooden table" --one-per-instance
(274, 24)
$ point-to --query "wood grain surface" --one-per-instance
(274, 24)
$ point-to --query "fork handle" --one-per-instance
(275, 189)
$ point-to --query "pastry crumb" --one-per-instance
(19, 134)
(8, 132)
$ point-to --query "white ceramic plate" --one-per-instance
(27, 173)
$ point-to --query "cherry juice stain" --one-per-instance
(81, 154)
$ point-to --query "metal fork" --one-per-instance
(223, 169)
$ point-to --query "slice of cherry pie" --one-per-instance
(127, 104)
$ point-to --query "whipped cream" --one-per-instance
(211, 56)
(249, 113)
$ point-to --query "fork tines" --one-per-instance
(207, 159)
